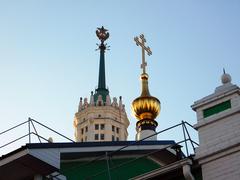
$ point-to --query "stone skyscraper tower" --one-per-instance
(101, 118)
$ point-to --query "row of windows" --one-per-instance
(96, 137)
(86, 130)
(102, 137)
(100, 126)
(85, 139)
(115, 139)
(115, 128)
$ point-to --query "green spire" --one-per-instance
(103, 35)
(101, 76)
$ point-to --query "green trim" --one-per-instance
(216, 109)
(103, 92)
(82, 170)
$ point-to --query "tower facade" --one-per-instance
(146, 107)
(101, 118)
(218, 125)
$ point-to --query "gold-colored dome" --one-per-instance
(146, 106)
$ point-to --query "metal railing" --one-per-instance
(32, 131)
(187, 143)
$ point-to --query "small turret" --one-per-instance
(80, 105)
(108, 100)
(91, 99)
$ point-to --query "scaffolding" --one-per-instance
(183, 148)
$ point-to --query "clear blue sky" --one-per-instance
(48, 58)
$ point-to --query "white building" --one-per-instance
(218, 125)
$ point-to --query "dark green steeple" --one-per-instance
(101, 76)
(103, 35)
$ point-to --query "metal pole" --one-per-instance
(29, 130)
(189, 136)
(109, 175)
(185, 138)
(35, 130)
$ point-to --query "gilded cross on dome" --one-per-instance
(140, 41)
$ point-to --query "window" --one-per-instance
(96, 126)
(99, 115)
(102, 136)
(96, 137)
(113, 139)
(86, 129)
(113, 128)
(102, 126)
(117, 130)
(82, 131)
(81, 140)
(85, 138)
(117, 138)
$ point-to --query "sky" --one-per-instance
(48, 58)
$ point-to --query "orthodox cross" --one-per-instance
(141, 42)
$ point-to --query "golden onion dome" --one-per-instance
(146, 106)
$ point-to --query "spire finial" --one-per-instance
(140, 41)
(102, 35)
(224, 71)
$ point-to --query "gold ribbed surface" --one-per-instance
(146, 106)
